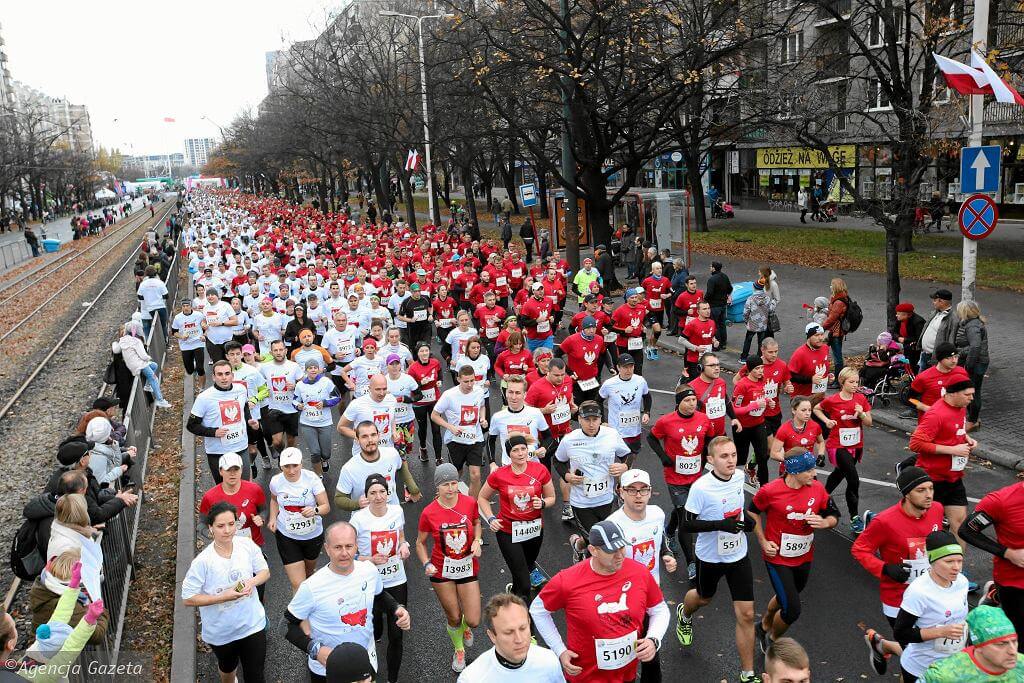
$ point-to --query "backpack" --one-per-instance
(853, 317)
(26, 559)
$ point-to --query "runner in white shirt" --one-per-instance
(514, 657)
(219, 319)
(406, 391)
(298, 502)
(372, 459)
(460, 410)
(517, 418)
(380, 537)
(220, 415)
(279, 417)
(933, 613)
(715, 512)
(341, 341)
(188, 329)
(588, 459)
(256, 387)
(456, 340)
(314, 397)
(358, 315)
(364, 367)
(393, 344)
(628, 400)
(222, 582)
(336, 604)
(267, 325)
(474, 357)
(378, 407)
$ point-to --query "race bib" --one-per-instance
(958, 463)
(491, 332)
(561, 414)
(948, 646)
(615, 653)
(819, 386)
(403, 412)
(631, 419)
(457, 569)
(298, 525)
(849, 436)
(543, 326)
(390, 568)
(771, 389)
(687, 464)
(420, 315)
(729, 544)
(917, 568)
(588, 384)
(635, 343)
(346, 347)
(595, 488)
(654, 304)
(517, 272)
(235, 434)
(716, 408)
(430, 395)
(501, 281)
(610, 337)
(446, 322)
(524, 531)
(313, 413)
(795, 545)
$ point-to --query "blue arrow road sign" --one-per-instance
(979, 169)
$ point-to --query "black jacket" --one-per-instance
(912, 345)
(606, 267)
(526, 229)
(717, 289)
(103, 505)
(41, 510)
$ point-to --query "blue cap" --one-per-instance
(588, 321)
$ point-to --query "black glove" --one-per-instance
(897, 572)
(733, 525)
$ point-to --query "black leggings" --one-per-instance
(215, 351)
(194, 361)
(422, 421)
(521, 559)
(758, 438)
(1012, 601)
(788, 582)
(250, 651)
(401, 594)
(846, 468)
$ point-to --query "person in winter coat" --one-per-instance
(526, 234)
(107, 460)
(506, 232)
(606, 267)
(756, 310)
(41, 509)
(972, 344)
(46, 592)
(71, 526)
(837, 305)
(135, 356)
(104, 504)
(718, 294)
(907, 331)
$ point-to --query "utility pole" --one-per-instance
(979, 41)
(571, 214)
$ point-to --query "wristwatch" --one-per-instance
(314, 648)
(656, 641)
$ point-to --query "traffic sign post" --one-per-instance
(980, 169)
(528, 195)
(978, 217)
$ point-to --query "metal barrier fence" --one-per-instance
(14, 253)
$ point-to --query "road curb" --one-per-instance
(997, 456)
(183, 653)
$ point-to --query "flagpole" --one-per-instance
(979, 41)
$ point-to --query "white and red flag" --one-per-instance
(412, 162)
(977, 79)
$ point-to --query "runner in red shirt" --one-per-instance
(628, 323)
(489, 316)
(514, 360)
(247, 496)
(713, 394)
(657, 295)
(607, 599)
(426, 370)
(536, 317)
(516, 268)
(845, 415)
(452, 522)
(500, 277)
(799, 432)
(585, 357)
(808, 366)
(524, 489)
(555, 291)
(444, 307)
(793, 508)
(686, 302)
(943, 449)
(541, 358)
(929, 386)
(552, 394)
(749, 404)
(776, 383)
(698, 337)
(892, 549)
(1003, 509)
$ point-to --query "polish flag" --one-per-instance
(168, 119)
(412, 161)
(977, 79)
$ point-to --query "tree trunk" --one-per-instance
(593, 182)
(467, 184)
(892, 274)
(700, 216)
(542, 192)
(508, 175)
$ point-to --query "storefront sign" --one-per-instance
(845, 156)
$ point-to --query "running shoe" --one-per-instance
(879, 660)
(691, 571)
(575, 541)
(857, 524)
(437, 460)
(163, 403)
(762, 637)
(972, 585)
(459, 661)
(656, 353)
(752, 678)
(684, 628)
(467, 637)
(868, 516)
(147, 388)
(423, 454)
(567, 514)
(537, 578)
(989, 594)
(268, 463)
(325, 465)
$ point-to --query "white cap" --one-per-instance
(634, 476)
(291, 456)
(229, 460)
(98, 430)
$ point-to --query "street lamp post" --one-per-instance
(435, 215)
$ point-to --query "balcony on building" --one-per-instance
(831, 67)
(827, 14)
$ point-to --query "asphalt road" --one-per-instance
(840, 594)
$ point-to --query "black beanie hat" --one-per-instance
(910, 478)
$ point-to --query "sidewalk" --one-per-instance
(1002, 431)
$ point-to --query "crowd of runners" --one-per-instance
(519, 386)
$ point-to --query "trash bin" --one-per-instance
(741, 291)
(51, 246)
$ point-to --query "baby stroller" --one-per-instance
(887, 373)
(721, 209)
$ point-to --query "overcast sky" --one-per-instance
(134, 63)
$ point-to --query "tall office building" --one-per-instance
(197, 150)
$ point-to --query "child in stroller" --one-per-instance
(887, 373)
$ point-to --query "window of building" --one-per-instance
(791, 47)
(877, 97)
(880, 24)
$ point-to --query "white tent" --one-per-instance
(104, 193)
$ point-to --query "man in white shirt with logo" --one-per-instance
(460, 410)
(280, 419)
(628, 400)
(588, 459)
(372, 459)
(517, 418)
(220, 415)
(341, 341)
(376, 406)
(335, 605)
(514, 657)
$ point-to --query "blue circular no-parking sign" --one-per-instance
(978, 217)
